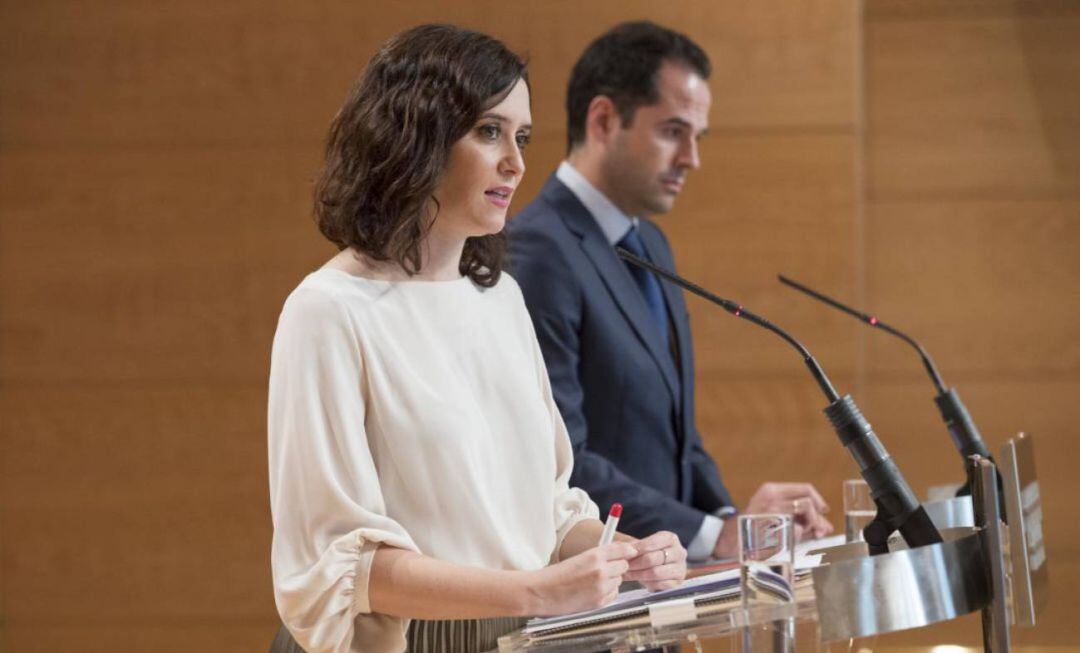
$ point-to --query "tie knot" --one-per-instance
(632, 243)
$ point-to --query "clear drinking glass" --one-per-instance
(859, 509)
(767, 581)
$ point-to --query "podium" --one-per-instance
(997, 566)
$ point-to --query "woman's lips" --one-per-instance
(500, 197)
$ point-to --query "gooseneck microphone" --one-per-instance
(961, 427)
(897, 507)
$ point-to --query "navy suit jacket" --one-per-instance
(629, 408)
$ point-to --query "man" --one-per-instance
(616, 340)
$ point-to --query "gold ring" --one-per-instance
(795, 506)
(665, 555)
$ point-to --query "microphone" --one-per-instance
(961, 427)
(897, 507)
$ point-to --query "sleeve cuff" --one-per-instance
(587, 510)
(704, 542)
(366, 545)
(361, 604)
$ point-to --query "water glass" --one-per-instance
(767, 581)
(859, 509)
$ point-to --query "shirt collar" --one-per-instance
(614, 223)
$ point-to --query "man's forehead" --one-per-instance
(682, 94)
(678, 82)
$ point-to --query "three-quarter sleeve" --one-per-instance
(572, 504)
(328, 509)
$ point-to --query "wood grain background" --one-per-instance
(920, 158)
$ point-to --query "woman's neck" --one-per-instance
(440, 258)
(440, 255)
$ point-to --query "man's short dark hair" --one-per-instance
(623, 64)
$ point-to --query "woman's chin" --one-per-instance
(488, 225)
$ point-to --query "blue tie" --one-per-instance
(646, 281)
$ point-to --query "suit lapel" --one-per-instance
(612, 271)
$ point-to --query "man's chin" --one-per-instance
(661, 204)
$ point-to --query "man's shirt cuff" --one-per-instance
(704, 543)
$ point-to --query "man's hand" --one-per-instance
(801, 500)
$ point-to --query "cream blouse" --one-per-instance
(414, 414)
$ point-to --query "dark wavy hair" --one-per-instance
(622, 64)
(388, 145)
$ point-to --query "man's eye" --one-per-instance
(490, 131)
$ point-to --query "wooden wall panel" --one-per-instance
(150, 265)
(971, 233)
(764, 204)
(165, 635)
(155, 167)
(986, 285)
(135, 501)
(210, 72)
(979, 105)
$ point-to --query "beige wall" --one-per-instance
(155, 166)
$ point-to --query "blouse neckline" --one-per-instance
(443, 283)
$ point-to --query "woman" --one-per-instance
(418, 464)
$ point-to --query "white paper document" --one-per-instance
(724, 583)
(709, 587)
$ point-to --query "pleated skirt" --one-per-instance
(455, 636)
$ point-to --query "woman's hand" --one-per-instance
(660, 562)
(587, 580)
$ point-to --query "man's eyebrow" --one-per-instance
(502, 118)
(675, 120)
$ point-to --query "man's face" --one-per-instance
(646, 163)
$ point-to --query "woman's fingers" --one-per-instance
(674, 572)
(657, 541)
(619, 551)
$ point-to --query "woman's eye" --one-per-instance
(522, 140)
(489, 131)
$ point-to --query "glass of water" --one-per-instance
(767, 581)
(859, 509)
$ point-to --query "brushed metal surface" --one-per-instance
(902, 589)
(1028, 571)
(956, 512)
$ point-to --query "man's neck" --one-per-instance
(588, 166)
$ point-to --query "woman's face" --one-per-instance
(484, 168)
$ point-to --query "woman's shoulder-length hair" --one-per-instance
(389, 143)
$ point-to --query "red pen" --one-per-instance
(609, 526)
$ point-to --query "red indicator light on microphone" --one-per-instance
(738, 311)
(873, 320)
(616, 510)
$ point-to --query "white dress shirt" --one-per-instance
(615, 224)
(414, 414)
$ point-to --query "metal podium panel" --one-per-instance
(956, 512)
(1029, 576)
(903, 589)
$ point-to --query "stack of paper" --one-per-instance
(724, 584)
(640, 607)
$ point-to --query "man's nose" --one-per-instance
(688, 155)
